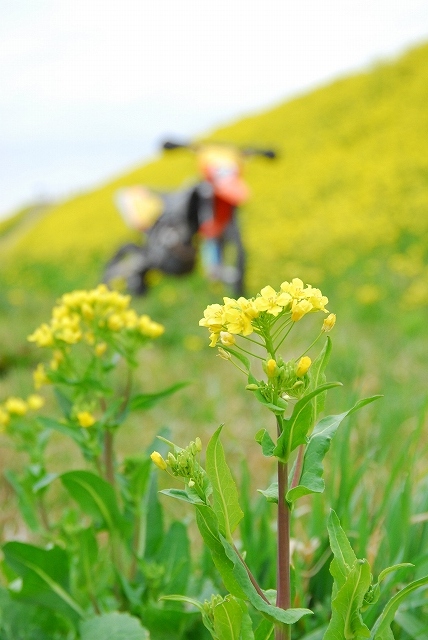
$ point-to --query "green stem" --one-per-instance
(283, 597)
(108, 457)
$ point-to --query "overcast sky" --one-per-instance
(88, 88)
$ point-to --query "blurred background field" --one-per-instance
(345, 208)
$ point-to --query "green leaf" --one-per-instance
(394, 567)
(96, 498)
(271, 493)
(346, 621)
(181, 494)
(72, 432)
(272, 613)
(264, 631)
(174, 555)
(153, 524)
(113, 626)
(26, 499)
(143, 401)
(64, 402)
(208, 527)
(296, 427)
(317, 376)
(265, 441)
(228, 619)
(45, 576)
(311, 479)
(381, 629)
(344, 555)
(276, 409)
(225, 494)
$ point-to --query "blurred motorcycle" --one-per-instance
(178, 224)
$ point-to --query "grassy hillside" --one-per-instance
(346, 201)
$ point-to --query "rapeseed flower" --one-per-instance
(85, 419)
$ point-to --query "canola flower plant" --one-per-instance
(87, 334)
(349, 188)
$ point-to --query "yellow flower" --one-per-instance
(158, 460)
(100, 349)
(238, 322)
(303, 366)
(39, 376)
(115, 322)
(329, 323)
(299, 309)
(213, 318)
(293, 288)
(35, 402)
(227, 338)
(271, 301)
(4, 419)
(214, 339)
(16, 406)
(85, 419)
(42, 336)
(150, 328)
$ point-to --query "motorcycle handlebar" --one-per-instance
(247, 151)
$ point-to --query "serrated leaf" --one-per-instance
(143, 401)
(113, 626)
(45, 576)
(382, 628)
(265, 441)
(311, 479)
(296, 427)
(224, 490)
(346, 622)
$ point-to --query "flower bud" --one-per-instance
(303, 366)
(252, 387)
(35, 402)
(158, 460)
(224, 354)
(198, 444)
(329, 323)
(85, 419)
(271, 368)
(227, 338)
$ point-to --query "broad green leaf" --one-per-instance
(88, 555)
(344, 556)
(96, 498)
(208, 527)
(205, 619)
(153, 522)
(296, 427)
(113, 626)
(264, 631)
(272, 613)
(228, 619)
(143, 401)
(346, 622)
(45, 576)
(311, 479)
(247, 632)
(265, 441)
(174, 555)
(382, 628)
(225, 494)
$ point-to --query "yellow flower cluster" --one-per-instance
(14, 406)
(86, 315)
(237, 317)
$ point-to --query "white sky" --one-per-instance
(88, 88)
